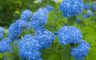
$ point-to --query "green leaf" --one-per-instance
(54, 57)
(65, 53)
(1, 56)
(90, 37)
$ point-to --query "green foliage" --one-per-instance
(56, 20)
(87, 27)
(10, 10)
(57, 52)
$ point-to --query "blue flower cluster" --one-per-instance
(69, 34)
(45, 38)
(4, 42)
(86, 16)
(90, 9)
(71, 8)
(16, 29)
(5, 45)
(1, 32)
(30, 45)
(40, 17)
(29, 48)
(86, 6)
(7, 40)
(81, 51)
(72, 35)
(26, 15)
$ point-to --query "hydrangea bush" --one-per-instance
(51, 33)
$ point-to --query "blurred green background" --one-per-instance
(10, 9)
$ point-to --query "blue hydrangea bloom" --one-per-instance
(35, 26)
(26, 15)
(86, 16)
(71, 8)
(81, 51)
(5, 46)
(39, 30)
(16, 29)
(93, 7)
(29, 43)
(86, 6)
(30, 55)
(29, 48)
(45, 38)
(7, 40)
(69, 34)
(1, 32)
(40, 17)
